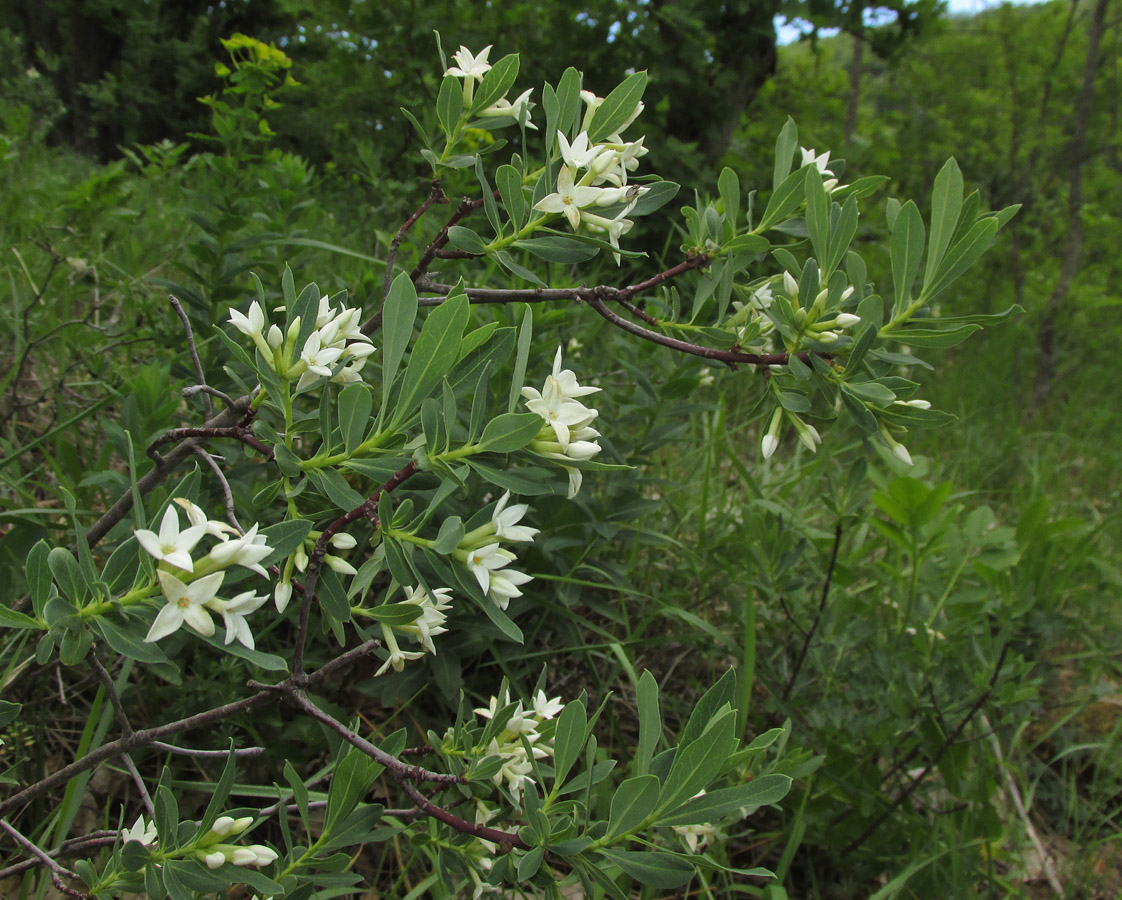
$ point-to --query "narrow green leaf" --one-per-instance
(67, 575)
(450, 104)
(650, 721)
(434, 353)
(617, 107)
(509, 181)
(817, 213)
(568, 103)
(962, 256)
(785, 146)
(658, 870)
(556, 248)
(906, 248)
(518, 379)
(715, 805)
(927, 337)
(844, 230)
(568, 739)
(728, 185)
(785, 199)
(946, 204)
(463, 238)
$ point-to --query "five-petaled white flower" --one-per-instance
(506, 519)
(186, 603)
(432, 618)
(469, 65)
(820, 161)
(144, 833)
(482, 561)
(570, 198)
(172, 545)
(234, 613)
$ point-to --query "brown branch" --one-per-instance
(72, 847)
(238, 432)
(58, 873)
(227, 494)
(436, 195)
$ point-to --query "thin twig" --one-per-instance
(817, 616)
(163, 468)
(238, 432)
(193, 389)
(178, 307)
(946, 745)
(58, 873)
(72, 847)
(240, 753)
(227, 494)
(436, 195)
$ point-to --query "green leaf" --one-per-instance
(434, 353)
(557, 248)
(817, 213)
(650, 721)
(656, 196)
(38, 574)
(926, 337)
(510, 432)
(568, 739)
(785, 145)
(498, 80)
(657, 870)
(906, 248)
(128, 644)
(748, 243)
(946, 204)
(840, 238)
(518, 378)
(532, 482)
(284, 538)
(68, 575)
(962, 255)
(352, 778)
(785, 199)
(9, 618)
(715, 805)
(394, 614)
(221, 792)
(355, 405)
(568, 103)
(333, 485)
(509, 181)
(617, 107)
(466, 239)
(449, 537)
(872, 392)
(450, 104)
(507, 262)
(632, 803)
(398, 315)
(9, 712)
(728, 185)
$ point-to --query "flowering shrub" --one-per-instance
(363, 423)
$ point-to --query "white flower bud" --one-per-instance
(339, 565)
(902, 454)
(845, 320)
(770, 442)
(222, 826)
(275, 337)
(282, 595)
(790, 284)
(343, 542)
(214, 860)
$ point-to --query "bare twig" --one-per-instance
(227, 494)
(240, 753)
(193, 389)
(178, 307)
(238, 432)
(58, 873)
(818, 615)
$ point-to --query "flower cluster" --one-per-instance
(605, 165)
(471, 68)
(191, 586)
(336, 349)
(422, 629)
(508, 744)
(298, 562)
(483, 555)
(568, 435)
(210, 851)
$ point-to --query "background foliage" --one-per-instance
(118, 186)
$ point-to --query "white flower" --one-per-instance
(141, 832)
(820, 161)
(228, 825)
(196, 516)
(506, 521)
(504, 586)
(545, 708)
(698, 836)
(559, 412)
(248, 551)
(186, 603)
(580, 152)
(569, 198)
(233, 615)
(469, 65)
(397, 657)
(253, 326)
(482, 561)
(515, 110)
(431, 621)
(172, 545)
(615, 228)
(317, 359)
